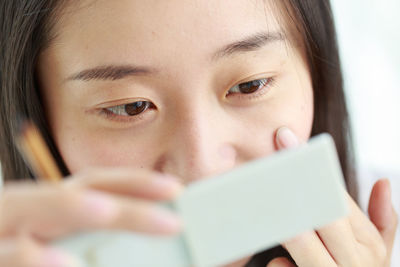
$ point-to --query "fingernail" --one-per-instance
(165, 221)
(100, 205)
(166, 183)
(286, 138)
(53, 257)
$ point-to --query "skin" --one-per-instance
(197, 119)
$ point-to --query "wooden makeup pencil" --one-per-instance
(36, 153)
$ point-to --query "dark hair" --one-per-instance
(24, 32)
(25, 27)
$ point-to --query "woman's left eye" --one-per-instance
(254, 87)
(131, 109)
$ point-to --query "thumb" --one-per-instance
(382, 213)
(285, 138)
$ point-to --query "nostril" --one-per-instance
(160, 163)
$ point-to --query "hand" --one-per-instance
(350, 242)
(33, 214)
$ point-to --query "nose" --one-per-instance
(201, 143)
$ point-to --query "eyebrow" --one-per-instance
(110, 72)
(252, 43)
(118, 72)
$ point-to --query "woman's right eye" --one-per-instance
(129, 110)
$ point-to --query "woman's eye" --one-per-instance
(251, 87)
(131, 109)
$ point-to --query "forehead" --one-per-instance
(153, 28)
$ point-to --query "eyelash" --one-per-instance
(266, 83)
(126, 118)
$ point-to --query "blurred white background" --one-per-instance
(369, 39)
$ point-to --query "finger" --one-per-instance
(365, 232)
(127, 181)
(308, 250)
(24, 252)
(382, 213)
(52, 211)
(342, 238)
(285, 138)
(280, 262)
(339, 239)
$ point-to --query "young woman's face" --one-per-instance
(191, 88)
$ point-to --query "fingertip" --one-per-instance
(167, 185)
(280, 262)
(385, 183)
(285, 138)
(380, 208)
(382, 191)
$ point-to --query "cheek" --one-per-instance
(292, 108)
(298, 113)
(85, 148)
(295, 104)
(256, 133)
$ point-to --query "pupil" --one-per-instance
(249, 87)
(135, 108)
